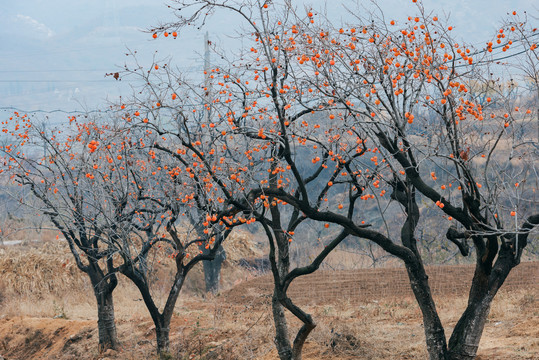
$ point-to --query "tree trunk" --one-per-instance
(419, 281)
(486, 282)
(162, 331)
(161, 320)
(103, 287)
(105, 323)
(212, 270)
(280, 265)
(282, 341)
(465, 338)
(434, 331)
(300, 339)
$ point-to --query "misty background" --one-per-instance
(55, 53)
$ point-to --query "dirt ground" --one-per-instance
(360, 314)
(217, 329)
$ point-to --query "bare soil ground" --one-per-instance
(361, 314)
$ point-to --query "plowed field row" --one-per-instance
(370, 284)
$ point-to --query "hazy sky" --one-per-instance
(55, 52)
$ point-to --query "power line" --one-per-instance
(183, 68)
(11, 108)
(59, 81)
(54, 70)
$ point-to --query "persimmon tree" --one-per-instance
(180, 213)
(118, 205)
(173, 199)
(151, 194)
(62, 182)
(406, 89)
(252, 153)
(399, 93)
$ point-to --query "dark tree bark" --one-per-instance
(212, 269)
(465, 338)
(163, 338)
(486, 282)
(162, 319)
(282, 339)
(105, 322)
(103, 286)
(280, 267)
(434, 331)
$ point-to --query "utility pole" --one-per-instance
(44, 139)
(207, 107)
(212, 268)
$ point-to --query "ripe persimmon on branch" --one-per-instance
(401, 92)
(56, 167)
(407, 89)
(117, 205)
(236, 141)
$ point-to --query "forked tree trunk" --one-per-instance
(280, 300)
(161, 320)
(282, 340)
(464, 341)
(434, 331)
(280, 265)
(103, 287)
(487, 281)
(105, 323)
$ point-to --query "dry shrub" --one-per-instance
(342, 340)
(39, 271)
(46, 272)
(528, 301)
(240, 245)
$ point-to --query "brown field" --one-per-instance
(47, 311)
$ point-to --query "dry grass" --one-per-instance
(39, 270)
(213, 328)
(234, 325)
(45, 273)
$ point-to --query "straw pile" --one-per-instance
(39, 270)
